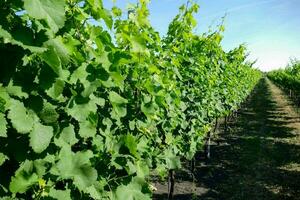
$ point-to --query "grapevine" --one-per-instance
(288, 79)
(88, 110)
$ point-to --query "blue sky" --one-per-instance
(269, 28)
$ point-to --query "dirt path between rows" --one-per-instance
(258, 158)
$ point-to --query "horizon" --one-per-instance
(270, 28)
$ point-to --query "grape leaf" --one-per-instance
(3, 124)
(53, 11)
(62, 50)
(22, 119)
(55, 92)
(131, 144)
(60, 194)
(104, 60)
(24, 178)
(40, 137)
(22, 182)
(3, 158)
(67, 136)
(100, 12)
(48, 114)
(16, 91)
(138, 45)
(77, 166)
(142, 169)
(118, 104)
(87, 129)
(115, 98)
(172, 161)
(52, 59)
(106, 16)
(93, 192)
(132, 191)
(81, 112)
(9, 39)
(4, 99)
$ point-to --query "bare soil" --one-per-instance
(257, 158)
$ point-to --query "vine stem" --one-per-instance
(216, 125)
(171, 184)
(193, 164)
(226, 123)
(207, 145)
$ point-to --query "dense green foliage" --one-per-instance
(288, 78)
(91, 103)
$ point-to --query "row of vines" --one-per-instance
(93, 100)
(288, 79)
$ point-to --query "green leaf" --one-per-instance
(173, 162)
(52, 59)
(53, 11)
(24, 178)
(161, 170)
(60, 194)
(77, 167)
(98, 143)
(55, 92)
(80, 112)
(95, 4)
(106, 16)
(131, 168)
(9, 39)
(40, 167)
(169, 138)
(65, 164)
(22, 119)
(40, 137)
(142, 169)
(4, 34)
(4, 99)
(104, 60)
(93, 192)
(16, 91)
(149, 108)
(97, 100)
(132, 191)
(67, 136)
(3, 158)
(118, 104)
(87, 129)
(62, 50)
(22, 182)
(138, 45)
(118, 111)
(79, 74)
(117, 12)
(118, 79)
(3, 124)
(142, 146)
(100, 12)
(131, 144)
(48, 114)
